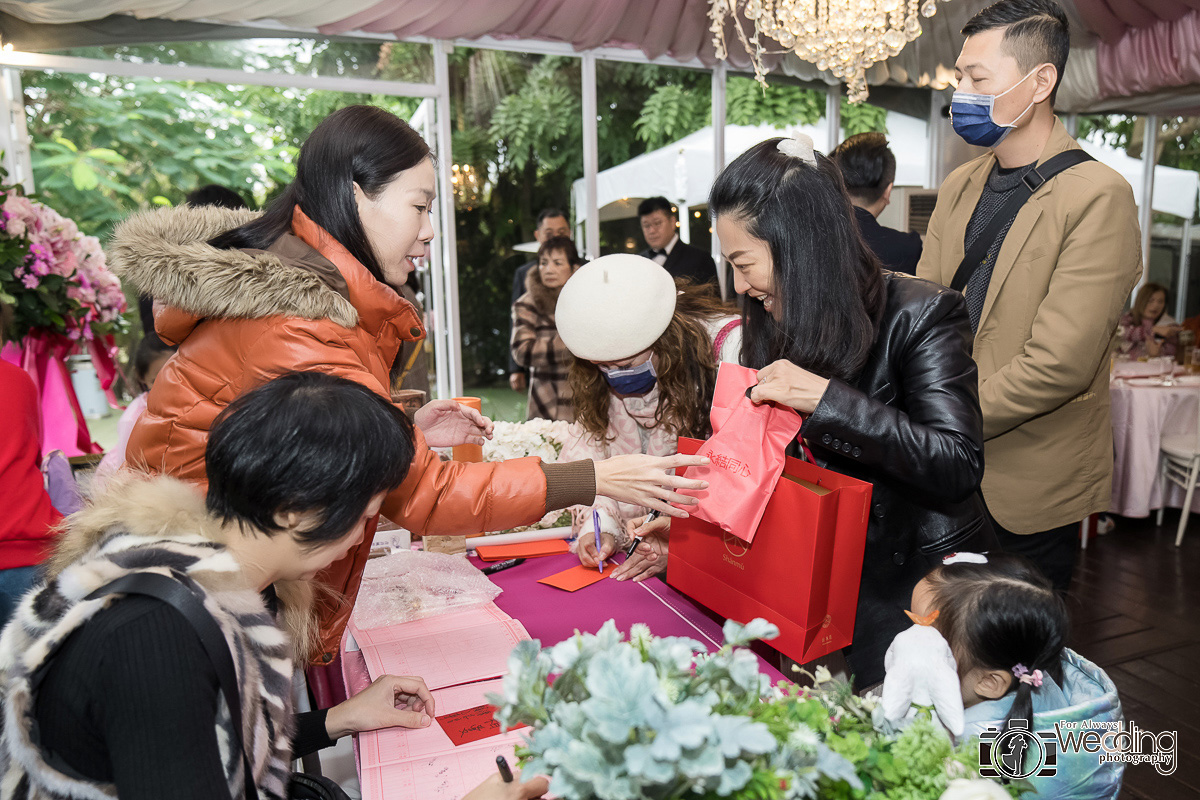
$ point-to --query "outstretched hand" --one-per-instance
(446, 423)
(648, 481)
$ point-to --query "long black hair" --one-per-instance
(828, 285)
(305, 442)
(999, 615)
(356, 144)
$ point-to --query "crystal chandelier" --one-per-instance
(843, 36)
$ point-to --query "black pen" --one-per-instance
(653, 515)
(500, 566)
(505, 772)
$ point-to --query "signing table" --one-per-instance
(552, 615)
(1143, 411)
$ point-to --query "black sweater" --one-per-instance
(131, 699)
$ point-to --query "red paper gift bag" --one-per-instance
(802, 570)
(746, 451)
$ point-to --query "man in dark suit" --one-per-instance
(869, 169)
(659, 228)
(551, 222)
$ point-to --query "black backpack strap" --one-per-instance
(177, 595)
(1030, 183)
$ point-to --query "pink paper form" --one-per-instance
(446, 650)
(399, 764)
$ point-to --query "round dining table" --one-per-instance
(1144, 409)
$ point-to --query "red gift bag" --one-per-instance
(746, 451)
(802, 570)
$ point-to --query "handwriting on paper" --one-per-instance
(471, 724)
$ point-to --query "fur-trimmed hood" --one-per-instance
(165, 253)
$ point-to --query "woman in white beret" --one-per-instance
(645, 362)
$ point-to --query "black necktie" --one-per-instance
(654, 253)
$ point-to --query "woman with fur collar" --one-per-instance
(536, 345)
(311, 284)
(115, 696)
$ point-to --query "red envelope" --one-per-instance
(472, 724)
(747, 454)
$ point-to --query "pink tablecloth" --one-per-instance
(1141, 415)
(552, 615)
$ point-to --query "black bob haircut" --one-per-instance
(868, 165)
(356, 144)
(214, 194)
(550, 213)
(652, 204)
(828, 285)
(1035, 32)
(305, 442)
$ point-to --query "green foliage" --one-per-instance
(778, 104)
(670, 113)
(862, 118)
(106, 146)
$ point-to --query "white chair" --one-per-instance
(1179, 463)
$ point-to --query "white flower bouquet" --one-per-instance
(537, 437)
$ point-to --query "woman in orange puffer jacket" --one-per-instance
(311, 285)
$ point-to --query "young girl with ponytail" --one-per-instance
(1007, 628)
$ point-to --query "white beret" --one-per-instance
(615, 307)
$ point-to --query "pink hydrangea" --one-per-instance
(56, 247)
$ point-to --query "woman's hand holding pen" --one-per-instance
(587, 548)
(649, 556)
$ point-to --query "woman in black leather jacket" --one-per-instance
(879, 364)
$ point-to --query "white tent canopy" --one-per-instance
(683, 171)
(1174, 189)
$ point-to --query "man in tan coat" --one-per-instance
(1045, 300)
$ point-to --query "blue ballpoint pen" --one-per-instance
(596, 529)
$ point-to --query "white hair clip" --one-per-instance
(799, 146)
(965, 558)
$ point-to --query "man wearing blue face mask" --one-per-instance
(1044, 244)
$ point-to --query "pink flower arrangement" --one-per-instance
(54, 276)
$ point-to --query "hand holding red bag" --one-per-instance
(746, 452)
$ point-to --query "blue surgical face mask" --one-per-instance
(634, 380)
(971, 116)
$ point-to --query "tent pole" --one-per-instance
(685, 226)
(937, 133)
(450, 329)
(833, 116)
(424, 122)
(1185, 268)
(14, 136)
(1071, 123)
(718, 127)
(1146, 212)
(591, 155)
